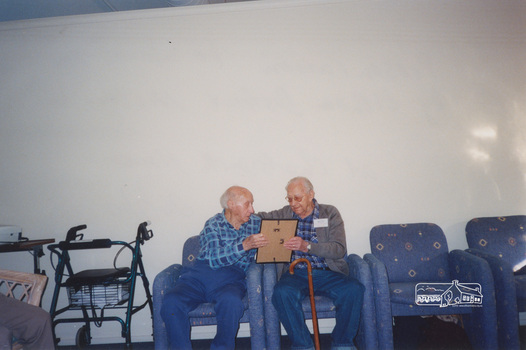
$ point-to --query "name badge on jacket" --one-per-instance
(321, 223)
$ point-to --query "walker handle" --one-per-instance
(72, 233)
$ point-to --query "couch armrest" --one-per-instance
(272, 324)
(505, 298)
(502, 272)
(163, 282)
(481, 324)
(359, 269)
(382, 301)
(256, 306)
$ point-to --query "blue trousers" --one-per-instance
(345, 292)
(225, 287)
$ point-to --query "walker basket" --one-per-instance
(99, 288)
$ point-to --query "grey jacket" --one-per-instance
(332, 244)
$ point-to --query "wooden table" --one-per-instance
(33, 245)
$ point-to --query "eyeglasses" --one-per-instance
(295, 198)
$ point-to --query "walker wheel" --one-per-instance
(82, 339)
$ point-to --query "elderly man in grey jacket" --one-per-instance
(320, 239)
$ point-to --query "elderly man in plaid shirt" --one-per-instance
(228, 244)
(320, 238)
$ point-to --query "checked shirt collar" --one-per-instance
(307, 232)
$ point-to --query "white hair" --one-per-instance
(306, 183)
(225, 197)
(230, 194)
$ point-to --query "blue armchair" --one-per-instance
(501, 241)
(366, 337)
(204, 314)
(411, 256)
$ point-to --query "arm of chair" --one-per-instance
(24, 286)
(481, 324)
(359, 269)
(256, 305)
(505, 298)
(382, 301)
(272, 325)
(163, 282)
(502, 276)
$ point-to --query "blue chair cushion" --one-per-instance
(324, 307)
(205, 314)
(402, 293)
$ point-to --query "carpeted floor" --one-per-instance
(404, 334)
(241, 344)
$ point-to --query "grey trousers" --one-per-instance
(29, 324)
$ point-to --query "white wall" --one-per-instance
(399, 112)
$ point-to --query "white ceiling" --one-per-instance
(13, 10)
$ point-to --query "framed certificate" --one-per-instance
(277, 232)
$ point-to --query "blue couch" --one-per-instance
(404, 256)
(366, 337)
(205, 314)
(501, 241)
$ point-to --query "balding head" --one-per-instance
(237, 202)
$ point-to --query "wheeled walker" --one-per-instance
(96, 290)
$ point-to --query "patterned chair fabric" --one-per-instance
(365, 339)
(502, 242)
(204, 314)
(405, 255)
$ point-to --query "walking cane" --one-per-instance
(312, 304)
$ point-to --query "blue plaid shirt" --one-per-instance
(307, 232)
(222, 245)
